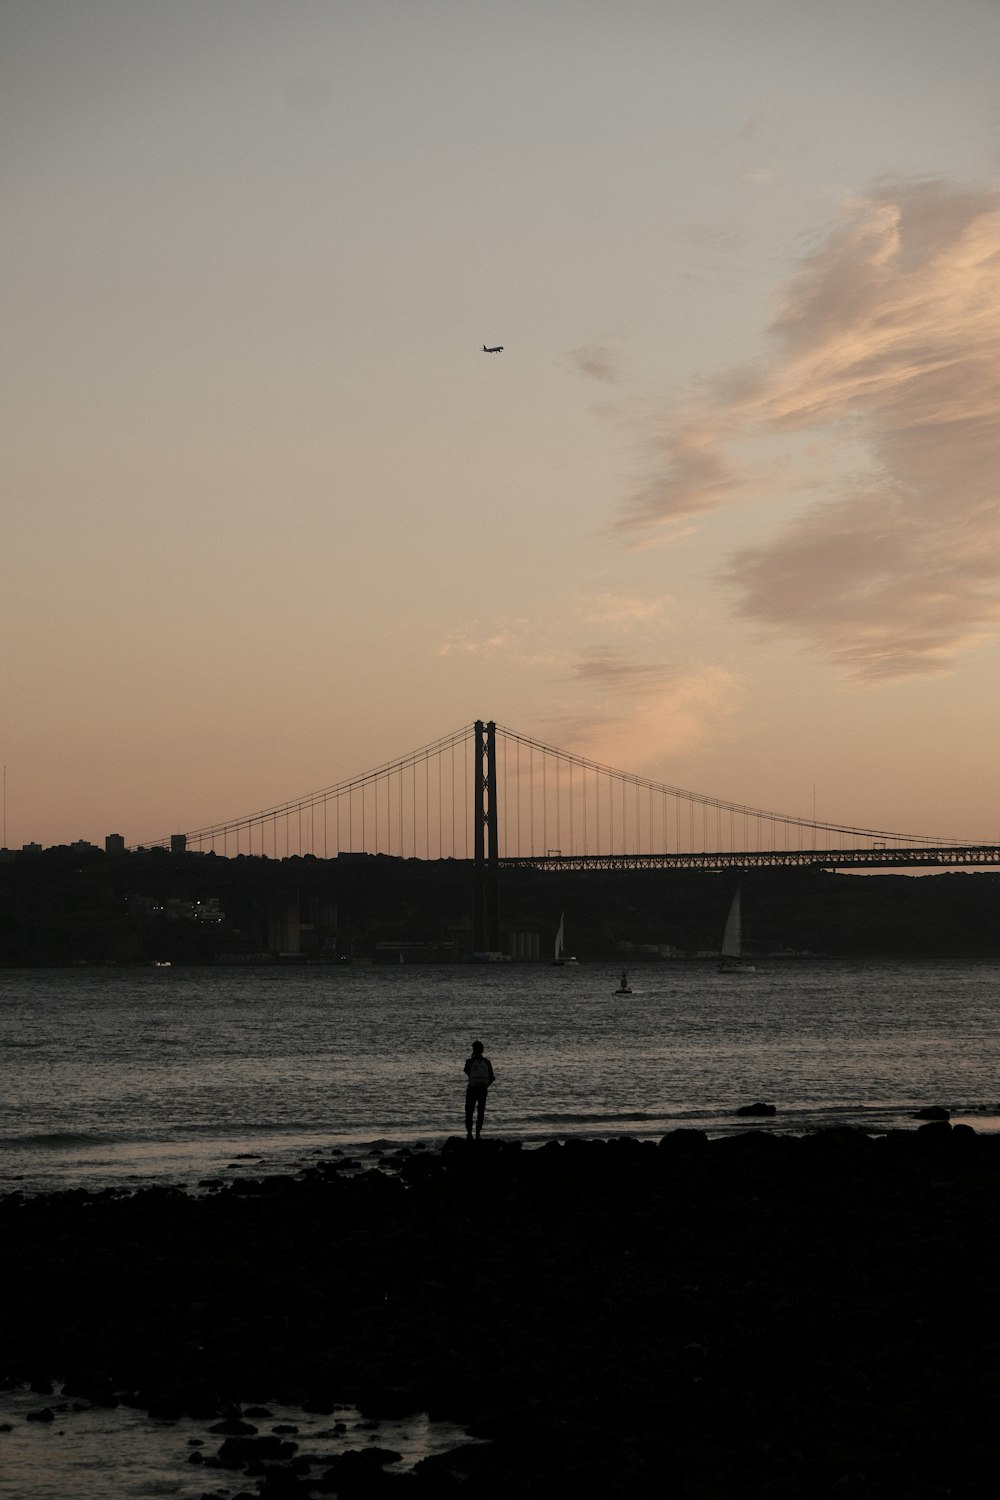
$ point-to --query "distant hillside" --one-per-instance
(58, 907)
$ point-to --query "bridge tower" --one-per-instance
(486, 911)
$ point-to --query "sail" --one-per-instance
(559, 937)
(732, 938)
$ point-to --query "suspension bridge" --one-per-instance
(488, 794)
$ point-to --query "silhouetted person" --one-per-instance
(479, 1071)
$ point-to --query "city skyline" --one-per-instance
(724, 513)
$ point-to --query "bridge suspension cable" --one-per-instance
(618, 820)
(396, 808)
(551, 803)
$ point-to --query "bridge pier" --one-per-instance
(486, 867)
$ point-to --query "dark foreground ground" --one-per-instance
(750, 1317)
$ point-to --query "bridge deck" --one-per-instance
(947, 856)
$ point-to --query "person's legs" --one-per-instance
(480, 1110)
(470, 1101)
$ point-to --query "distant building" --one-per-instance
(114, 844)
(521, 945)
(284, 931)
(31, 848)
(84, 846)
(177, 909)
(194, 911)
(301, 924)
(178, 843)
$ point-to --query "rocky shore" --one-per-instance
(758, 1316)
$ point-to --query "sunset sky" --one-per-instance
(726, 511)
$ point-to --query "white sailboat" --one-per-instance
(561, 956)
(732, 942)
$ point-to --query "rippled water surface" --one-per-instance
(127, 1075)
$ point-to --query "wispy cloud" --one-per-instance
(624, 611)
(694, 475)
(596, 362)
(886, 344)
(637, 711)
(615, 700)
(608, 672)
(459, 643)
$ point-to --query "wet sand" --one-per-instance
(760, 1315)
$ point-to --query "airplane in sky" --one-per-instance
(497, 349)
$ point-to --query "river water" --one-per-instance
(119, 1076)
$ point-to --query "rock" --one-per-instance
(760, 1315)
(46, 1414)
(841, 1136)
(101, 1395)
(386, 1401)
(684, 1139)
(466, 1463)
(853, 1486)
(759, 1111)
(358, 1472)
(171, 1402)
(932, 1112)
(282, 1484)
(321, 1403)
(238, 1452)
(382, 1484)
(93, 1385)
(234, 1427)
(365, 1458)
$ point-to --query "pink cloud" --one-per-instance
(638, 711)
(886, 341)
